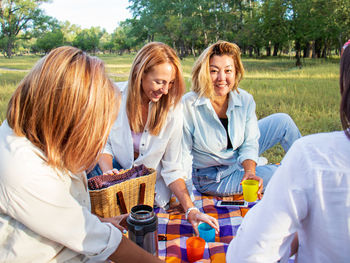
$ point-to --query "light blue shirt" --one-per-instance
(205, 138)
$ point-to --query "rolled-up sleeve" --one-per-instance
(250, 147)
(187, 143)
(108, 147)
(172, 169)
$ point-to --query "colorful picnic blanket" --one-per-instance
(175, 229)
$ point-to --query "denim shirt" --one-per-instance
(205, 138)
(161, 152)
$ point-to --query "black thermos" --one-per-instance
(142, 225)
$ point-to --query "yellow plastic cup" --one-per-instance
(250, 190)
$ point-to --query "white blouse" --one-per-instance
(309, 194)
(161, 152)
(45, 214)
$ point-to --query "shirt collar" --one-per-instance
(234, 100)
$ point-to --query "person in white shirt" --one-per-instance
(308, 200)
(148, 129)
(58, 121)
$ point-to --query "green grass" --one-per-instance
(310, 95)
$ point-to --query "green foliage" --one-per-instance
(88, 39)
(50, 40)
(16, 18)
(307, 28)
(314, 27)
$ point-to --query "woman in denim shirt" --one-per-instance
(222, 137)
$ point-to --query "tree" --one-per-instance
(50, 40)
(16, 17)
(70, 31)
(274, 25)
(88, 39)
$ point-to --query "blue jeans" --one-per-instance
(225, 180)
(97, 170)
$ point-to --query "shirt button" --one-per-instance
(145, 131)
(143, 144)
(141, 154)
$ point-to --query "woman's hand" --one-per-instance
(195, 217)
(251, 176)
(112, 172)
(118, 221)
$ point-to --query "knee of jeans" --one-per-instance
(283, 117)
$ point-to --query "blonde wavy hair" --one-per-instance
(150, 55)
(201, 80)
(65, 106)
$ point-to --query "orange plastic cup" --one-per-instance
(250, 190)
(243, 210)
(195, 248)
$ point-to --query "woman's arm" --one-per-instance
(173, 174)
(249, 174)
(106, 164)
(249, 149)
(128, 251)
(179, 189)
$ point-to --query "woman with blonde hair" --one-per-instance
(222, 136)
(148, 129)
(58, 121)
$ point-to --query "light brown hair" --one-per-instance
(65, 106)
(345, 90)
(150, 55)
(201, 80)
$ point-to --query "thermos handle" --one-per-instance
(121, 203)
(142, 193)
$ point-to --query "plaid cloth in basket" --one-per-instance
(175, 229)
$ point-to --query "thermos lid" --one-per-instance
(142, 215)
(142, 212)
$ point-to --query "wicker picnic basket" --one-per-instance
(120, 198)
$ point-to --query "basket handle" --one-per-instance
(121, 203)
(142, 193)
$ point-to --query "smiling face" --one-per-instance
(157, 82)
(222, 73)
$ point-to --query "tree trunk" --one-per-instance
(297, 54)
(250, 50)
(306, 50)
(313, 47)
(9, 47)
(317, 48)
(325, 49)
(275, 49)
(268, 49)
(192, 49)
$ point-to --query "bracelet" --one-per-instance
(189, 210)
(246, 171)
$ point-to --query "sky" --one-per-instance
(87, 13)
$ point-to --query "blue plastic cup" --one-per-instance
(206, 232)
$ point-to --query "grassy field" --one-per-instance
(310, 95)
